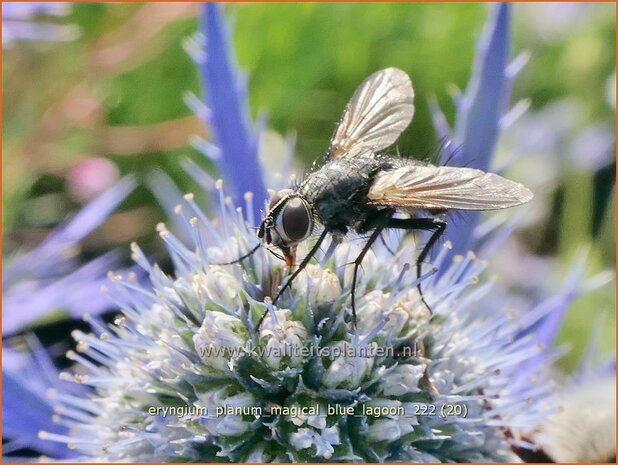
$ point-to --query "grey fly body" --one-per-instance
(357, 188)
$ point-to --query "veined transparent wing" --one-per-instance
(380, 109)
(445, 187)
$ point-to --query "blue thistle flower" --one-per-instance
(190, 342)
(27, 379)
(480, 114)
(47, 278)
(36, 283)
(226, 111)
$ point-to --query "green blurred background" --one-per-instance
(117, 92)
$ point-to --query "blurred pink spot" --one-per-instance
(91, 176)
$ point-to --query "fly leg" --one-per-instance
(300, 268)
(435, 225)
(240, 259)
(378, 221)
(391, 251)
(357, 262)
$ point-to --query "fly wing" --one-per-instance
(445, 187)
(380, 109)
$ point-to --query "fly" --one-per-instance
(357, 188)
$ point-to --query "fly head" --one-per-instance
(288, 222)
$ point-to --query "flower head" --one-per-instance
(184, 374)
(583, 427)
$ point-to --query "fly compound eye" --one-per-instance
(277, 196)
(295, 221)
